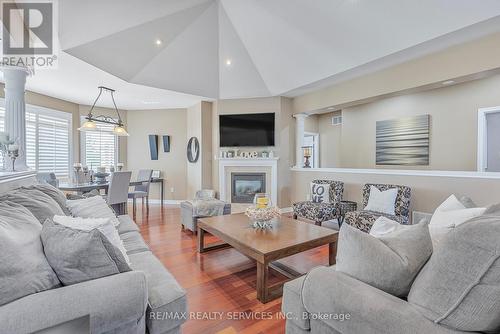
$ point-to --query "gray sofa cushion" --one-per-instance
(40, 205)
(460, 285)
(292, 304)
(389, 263)
(77, 255)
(133, 242)
(23, 267)
(126, 224)
(53, 193)
(334, 296)
(111, 302)
(165, 295)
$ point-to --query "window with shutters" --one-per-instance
(99, 148)
(48, 139)
(2, 128)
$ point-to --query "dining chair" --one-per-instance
(47, 177)
(117, 196)
(141, 190)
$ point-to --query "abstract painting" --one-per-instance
(153, 146)
(403, 141)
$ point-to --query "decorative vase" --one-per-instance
(261, 213)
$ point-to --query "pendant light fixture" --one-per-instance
(91, 120)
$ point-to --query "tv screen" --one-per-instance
(246, 130)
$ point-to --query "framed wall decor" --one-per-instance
(403, 141)
(153, 146)
(166, 143)
(193, 150)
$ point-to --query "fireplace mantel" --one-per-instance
(224, 163)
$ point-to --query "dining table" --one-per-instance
(84, 187)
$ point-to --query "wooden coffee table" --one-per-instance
(287, 237)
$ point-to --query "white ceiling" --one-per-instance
(275, 47)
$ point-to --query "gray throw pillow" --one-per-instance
(40, 205)
(73, 197)
(24, 270)
(460, 285)
(77, 255)
(389, 263)
(53, 193)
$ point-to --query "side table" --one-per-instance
(346, 206)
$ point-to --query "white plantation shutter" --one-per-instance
(48, 134)
(2, 118)
(2, 128)
(100, 148)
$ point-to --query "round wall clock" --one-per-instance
(193, 150)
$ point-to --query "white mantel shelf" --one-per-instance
(248, 162)
(247, 159)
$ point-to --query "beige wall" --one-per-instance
(453, 138)
(172, 164)
(427, 191)
(461, 60)
(329, 140)
(283, 148)
(199, 174)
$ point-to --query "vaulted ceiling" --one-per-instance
(248, 48)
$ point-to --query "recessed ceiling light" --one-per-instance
(228, 62)
(330, 108)
(158, 42)
(448, 82)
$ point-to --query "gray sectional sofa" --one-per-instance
(456, 291)
(147, 299)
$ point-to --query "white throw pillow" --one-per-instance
(320, 193)
(104, 225)
(450, 214)
(384, 226)
(382, 201)
(92, 207)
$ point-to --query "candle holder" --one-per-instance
(307, 154)
(5, 142)
(13, 155)
(77, 168)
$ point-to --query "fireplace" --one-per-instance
(244, 186)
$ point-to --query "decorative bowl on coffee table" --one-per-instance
(261, 213)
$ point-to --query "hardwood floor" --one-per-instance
(218, 281)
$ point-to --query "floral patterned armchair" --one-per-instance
(364, 219)
(320, 212)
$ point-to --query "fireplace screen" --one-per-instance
(244, 186)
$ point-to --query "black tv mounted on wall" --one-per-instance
(246, 130)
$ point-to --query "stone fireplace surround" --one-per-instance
(269, 166)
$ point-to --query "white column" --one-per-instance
(15, 110)
(300, 120)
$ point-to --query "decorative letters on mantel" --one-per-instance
(237, 154)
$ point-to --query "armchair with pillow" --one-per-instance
(324, 205)
(388, 200)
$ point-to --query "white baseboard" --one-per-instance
(157, 201)
(178, 202)
(286, 210)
